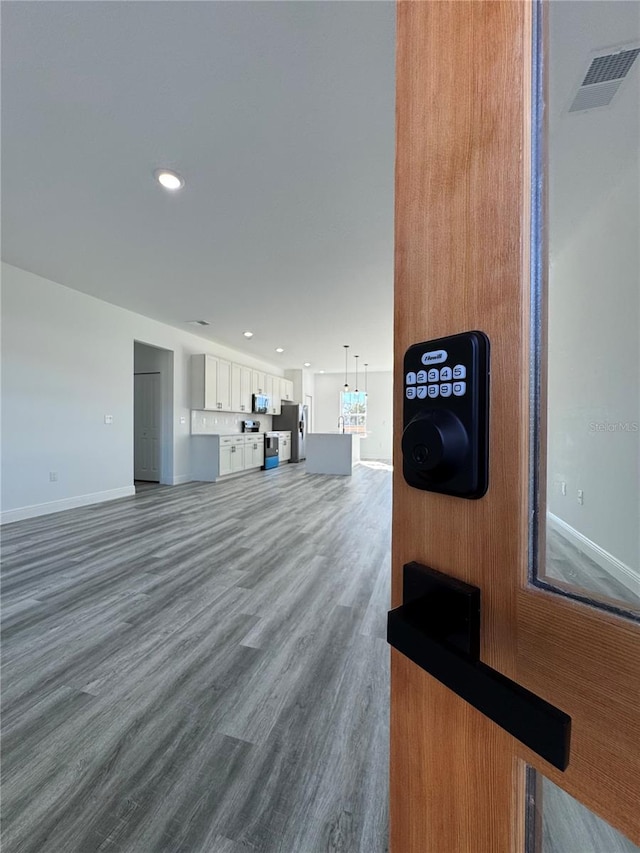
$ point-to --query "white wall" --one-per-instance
(303, 389)
(302, 383)
(594, 376)
(326, 400)
(67, 361)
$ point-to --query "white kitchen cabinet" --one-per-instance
(268, 383)
(245, 390)
(254, 451)
(273, 393)
(220, 385)
(224, 385)
(241, 389)
(216, 456)
(231, 454)
(278, 390)
(224, 466)
(284, 446)
(204, 382)
(237, 457)
(287, 390)
(258, 382)
(210, 383)
(235, 388)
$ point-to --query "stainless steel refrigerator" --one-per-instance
(293, 418)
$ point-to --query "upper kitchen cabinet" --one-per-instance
(210, 383)
(287, 390)
(220, 385)
(273, 393)
(224, 385)
(241, 385)
(258, 382)
(204, 382)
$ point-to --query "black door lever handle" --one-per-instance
(438, 628)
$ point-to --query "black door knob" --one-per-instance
(435, 444)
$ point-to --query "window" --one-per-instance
(353, 408)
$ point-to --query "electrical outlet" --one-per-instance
(53, 476)
(580, 497)
(108, 419)
(563, 487)
(183, 420)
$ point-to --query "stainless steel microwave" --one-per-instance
(260, 404)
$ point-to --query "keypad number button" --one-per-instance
(445, 374)
(422, 392)
(433, 375)
(421, 377)
(445, 389)
(459, 389)
(459, 371)
(411, 393)
(411, 378)
(433, 391)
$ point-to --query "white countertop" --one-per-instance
(238, 434)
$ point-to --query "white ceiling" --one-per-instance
(280, 117)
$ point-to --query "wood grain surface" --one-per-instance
(463, 194)
(200, 668)
(456, 784)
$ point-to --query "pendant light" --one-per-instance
(356, 358)
(346, 353)
(366, 364)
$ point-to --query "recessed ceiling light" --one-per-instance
(321, 371)
(248, 334)
(279, 349)
(168, 179)
(307, 364)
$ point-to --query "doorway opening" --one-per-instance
(152, 415)
(308, 401)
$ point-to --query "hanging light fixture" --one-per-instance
(356, 358)
(366, 364)
(346, 353)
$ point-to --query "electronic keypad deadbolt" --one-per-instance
(446, 415)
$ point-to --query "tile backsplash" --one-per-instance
(224, 423)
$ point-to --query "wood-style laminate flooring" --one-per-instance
(200, 668)
(564, 562)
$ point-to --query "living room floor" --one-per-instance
(201, 668)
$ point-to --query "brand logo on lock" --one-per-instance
(435, 357)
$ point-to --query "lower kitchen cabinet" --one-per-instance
(254, 452)
(225, 461)
(215, 456)
(284, 446)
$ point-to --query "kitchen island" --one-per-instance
(332, 453)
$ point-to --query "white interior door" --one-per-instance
(146, 426)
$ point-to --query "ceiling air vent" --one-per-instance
(198, 322)
(603, 79)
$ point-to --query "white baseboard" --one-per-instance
(34, 510)
(180, 480)
(615, 567)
